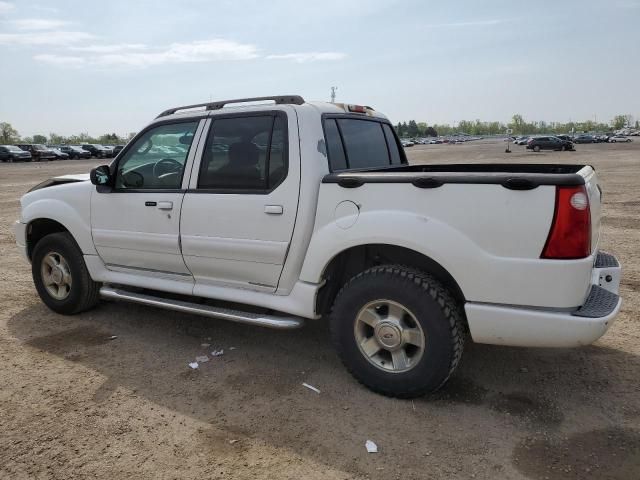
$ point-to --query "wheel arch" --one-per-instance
(39, 228)
(355, 259)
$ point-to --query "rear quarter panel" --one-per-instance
(487, 237)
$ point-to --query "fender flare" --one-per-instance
(67, 216)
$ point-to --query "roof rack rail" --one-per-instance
(279, 99)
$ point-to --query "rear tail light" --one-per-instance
(570, 234)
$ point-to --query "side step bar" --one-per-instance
(270, 321)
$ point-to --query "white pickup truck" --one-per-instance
(269, 214)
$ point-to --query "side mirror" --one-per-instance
(100, 175)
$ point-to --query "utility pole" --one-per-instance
(333, 94)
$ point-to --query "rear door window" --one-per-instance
(245, 153)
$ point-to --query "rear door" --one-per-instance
(239, 212)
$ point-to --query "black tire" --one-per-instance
(536, 148)
(83, 293)
(439, 315)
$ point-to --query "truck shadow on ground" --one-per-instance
(254, 391)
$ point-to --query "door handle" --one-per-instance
(273, 209)
(165, 205)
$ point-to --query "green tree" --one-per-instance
(39, 139)
(8, 134)
(56, 139)
(412, 128)
(517, 124)
(619, 121)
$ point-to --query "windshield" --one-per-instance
(39, 147)
(12, 148)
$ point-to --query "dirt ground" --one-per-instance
(76, 404)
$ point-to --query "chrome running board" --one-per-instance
(282, 322)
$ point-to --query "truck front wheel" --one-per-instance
(398, 331)
(61, 276)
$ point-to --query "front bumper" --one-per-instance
(536, 327)
(20, 231)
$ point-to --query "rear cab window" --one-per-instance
(359, 143)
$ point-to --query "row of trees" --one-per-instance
(9, 135)
(518, 124)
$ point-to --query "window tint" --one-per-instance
(335, 151)
(157, 158)
(394, 152)
(245, 153)
(364, 143)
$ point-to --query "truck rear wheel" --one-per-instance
(61, 276)
(398, 331)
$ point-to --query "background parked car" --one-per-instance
(521, 140)
(109, 150)
(75, 151)
(584, 139)
(564, 137)
(548, 143)
(60, 155)
(619, 138)
(38, 152)
(116, 149)
(11, 153)
(97, 150)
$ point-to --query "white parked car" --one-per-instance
(619, 138)
(303, 210)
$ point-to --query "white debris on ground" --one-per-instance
(112, 337)
(371, 447)
(193, 365)
(202, 359)
(205, 345)
(311, 387)
(217, 353)
(232, 348)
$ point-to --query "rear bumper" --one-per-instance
(535, 327)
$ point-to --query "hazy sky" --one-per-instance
(70, 66)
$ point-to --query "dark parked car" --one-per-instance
(584, 139)
(38, 152)
(548, 143)
(116, 149)
(75, 151)
(564, 137)
(11, 153)
(60, 155)
(97, 150)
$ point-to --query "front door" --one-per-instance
(239, 212)
(136, 225)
